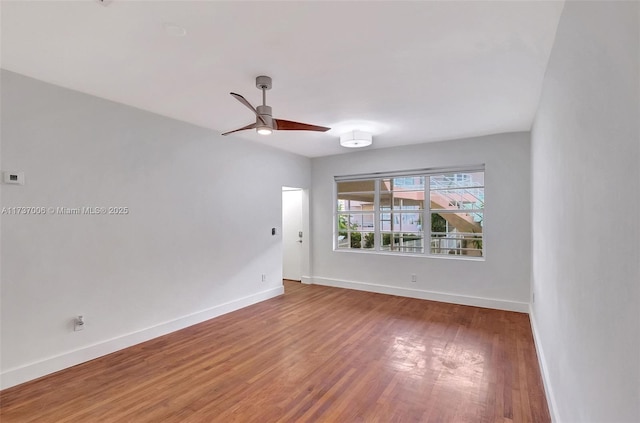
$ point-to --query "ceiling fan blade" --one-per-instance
(253, 125)
(288, 125)
(244, 101)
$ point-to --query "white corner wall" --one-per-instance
(586, 218)
(501, 281)
(194, 244)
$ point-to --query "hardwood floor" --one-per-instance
(313, 354)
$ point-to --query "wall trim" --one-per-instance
(307, 279)
(25, 373)
(546, 381)
(425, 295)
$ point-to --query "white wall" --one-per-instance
(586, 188)
(194, 244)
(501, 281)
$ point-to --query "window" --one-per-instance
(356, 213)
(387, 212)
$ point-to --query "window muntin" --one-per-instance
(388, 214)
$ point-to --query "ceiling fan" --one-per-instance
(265, 123)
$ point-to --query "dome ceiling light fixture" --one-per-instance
(356, 139)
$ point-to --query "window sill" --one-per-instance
(427, 256)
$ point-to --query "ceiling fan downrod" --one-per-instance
(264, 83)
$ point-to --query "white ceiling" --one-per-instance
(410, 72)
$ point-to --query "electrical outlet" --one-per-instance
(78, 323)
(414, 277)
(264, 277)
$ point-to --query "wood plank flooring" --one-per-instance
(314, 354)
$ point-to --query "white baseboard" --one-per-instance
(306, 279)
(543, 369)
(425, 295)
(18, 375)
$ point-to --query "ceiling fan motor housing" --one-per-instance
(265, 113)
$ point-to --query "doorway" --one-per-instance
(295, 245)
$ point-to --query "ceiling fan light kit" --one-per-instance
(356, 139)
(265, 122)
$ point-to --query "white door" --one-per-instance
(292, 235)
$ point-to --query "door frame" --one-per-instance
(305, 255)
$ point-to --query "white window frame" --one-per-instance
(426, 212)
